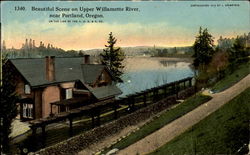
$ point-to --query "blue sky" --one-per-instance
(157, 23)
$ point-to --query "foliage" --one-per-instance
(238, 50)
(232, 62)
(81, 54)
(218, 64)
(226, 131)
(8, 109)
(203, 49)
(168, 116)
(32, 51)
(177, 52)
(213, 65)
(161, 53)
(240, 72)
(112, 57)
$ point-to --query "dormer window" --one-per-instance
(27, 89)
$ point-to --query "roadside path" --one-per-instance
(178, 126)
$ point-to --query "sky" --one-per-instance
(162, 23)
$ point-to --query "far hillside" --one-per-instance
(150, 51)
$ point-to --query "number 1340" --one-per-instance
(19, 8)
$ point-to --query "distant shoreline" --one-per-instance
(164, 58)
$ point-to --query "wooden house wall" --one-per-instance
(49, 95)
(38, 103)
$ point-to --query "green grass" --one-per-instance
(241, 71)
(223, 132)
(188, 105)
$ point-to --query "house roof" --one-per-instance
(66, 69)
(91, 72)
(106, 91)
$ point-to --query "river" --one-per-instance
(142, 73)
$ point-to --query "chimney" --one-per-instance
(50, 68)
(86, 59)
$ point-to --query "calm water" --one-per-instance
(144, 73)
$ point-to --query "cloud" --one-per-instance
(95, 35)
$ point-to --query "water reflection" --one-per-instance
(145, 73)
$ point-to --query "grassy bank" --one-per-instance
(230, 79)
(188, 105)
(223, 132)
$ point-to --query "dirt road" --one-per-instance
(175, 128)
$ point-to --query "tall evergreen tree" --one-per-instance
(8, 109)
(112, 57)
(239, 51)
(203, 49)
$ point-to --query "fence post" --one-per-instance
(43, 135)
(98, 117)
(177, 89)
(43, 130)
(133, 102)
(33, 130)
(115, 109)
(70, 126)
(154, 95)
(190, 82)
(173, 88)
(157, 94)
(144, 98)
(93, 119)
(165, 91)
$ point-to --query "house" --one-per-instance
(65, 82)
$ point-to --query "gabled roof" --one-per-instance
(66, 69)
(91, 72)
(106, 91)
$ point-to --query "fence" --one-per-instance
(94, 110)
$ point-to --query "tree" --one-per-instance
(238, 50)
(165, 51)
(238, 53)
(203, 49)
(81, 54)
(112, 57)
(219, 63)
(175, 50)
(8, 109)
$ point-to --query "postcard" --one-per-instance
(125, 77)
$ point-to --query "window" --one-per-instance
(26, 89)
(102, 77)
(69, 93)
(27, 110)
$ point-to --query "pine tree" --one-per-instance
(238, 50)
(8, 109)
(203, 49)
(112, 57)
